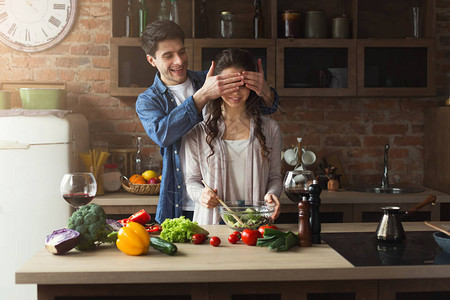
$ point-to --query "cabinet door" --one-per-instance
(316, 67)
(396, 67)
(205, 51)
(130, 72)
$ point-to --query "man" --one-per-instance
(174, 104)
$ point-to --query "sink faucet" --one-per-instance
(385, 179)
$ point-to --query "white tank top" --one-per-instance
(237, 160)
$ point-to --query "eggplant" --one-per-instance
(61, 241)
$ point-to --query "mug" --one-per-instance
(291, 156)
(5, 99)
(308, 158)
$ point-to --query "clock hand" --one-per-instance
(31, 5)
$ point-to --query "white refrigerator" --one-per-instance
(35, 152)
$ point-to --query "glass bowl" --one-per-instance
(252, 216)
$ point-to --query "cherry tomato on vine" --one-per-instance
(233, 238)
(214, 241)
(238, 234)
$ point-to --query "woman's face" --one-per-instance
(236, 99)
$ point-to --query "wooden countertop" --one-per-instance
(226, 263)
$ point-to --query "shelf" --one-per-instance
(300, 67)
(131, 74)
(205, 50)
(318, 61)
(395, 67)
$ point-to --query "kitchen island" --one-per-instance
(349, 206)
(230, 272)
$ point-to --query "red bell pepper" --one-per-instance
(141, 217)
(153, 229)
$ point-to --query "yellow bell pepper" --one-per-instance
(133, 239)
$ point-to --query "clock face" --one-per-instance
(35, 25)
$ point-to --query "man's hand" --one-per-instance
(216, 86)
(209, 199)
(256, 82)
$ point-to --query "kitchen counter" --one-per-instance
(207, 272)
(350, 204)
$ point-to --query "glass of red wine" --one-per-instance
(78, 189)
(296, 184)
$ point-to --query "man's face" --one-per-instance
(171, 60)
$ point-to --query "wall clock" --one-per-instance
(35, 25)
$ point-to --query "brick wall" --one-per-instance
(354, 129)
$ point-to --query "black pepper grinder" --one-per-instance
(314, 199)
(304, 227)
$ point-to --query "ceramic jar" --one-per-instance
(315, 24)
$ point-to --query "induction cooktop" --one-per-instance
(363, 249)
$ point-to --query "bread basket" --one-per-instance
(139, 189)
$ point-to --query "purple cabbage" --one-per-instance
(61, 241)
(113, 225)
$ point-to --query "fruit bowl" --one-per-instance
(252, 216)
(140, 189)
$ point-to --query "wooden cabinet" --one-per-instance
(379, 59)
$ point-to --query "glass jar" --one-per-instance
(291, 23)
(111, 178)
(226, 24)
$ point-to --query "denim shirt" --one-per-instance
(166, 123)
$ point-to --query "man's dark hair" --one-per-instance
(160, 31)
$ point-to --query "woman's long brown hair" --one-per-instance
(238, 58)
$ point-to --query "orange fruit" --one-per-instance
(137, 179)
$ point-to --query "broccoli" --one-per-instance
(90, 222)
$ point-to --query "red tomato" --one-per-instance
(238, 234)
(263, 228)
(233, 238)
(214, 241)
(250, 237)
(203, 236)
(197, 238)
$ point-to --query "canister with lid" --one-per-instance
(340, 27)
(290, 23)
(315, 24)
(111, 178)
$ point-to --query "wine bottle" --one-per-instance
(142, 13)
(203, 30)
(129, 21)
(258, 21)
(163, 13)
(174, 11)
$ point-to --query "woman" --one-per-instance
(235, 150)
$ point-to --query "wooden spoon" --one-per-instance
(224, 205)
(437, 228)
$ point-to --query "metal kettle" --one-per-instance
(390, 228)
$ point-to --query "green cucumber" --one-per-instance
(163, 245)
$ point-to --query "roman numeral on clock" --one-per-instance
(27, 35)
(12, 29)
(59, 6)
(3, 17)
(2, 2)
(54, 21)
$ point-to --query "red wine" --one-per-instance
(77, 200)
(296, 195)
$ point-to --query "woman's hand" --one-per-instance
(256, 82)
(209, 199)
(273, 200)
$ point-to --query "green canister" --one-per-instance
(5, 99)
(315, 24)
(340, 28)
